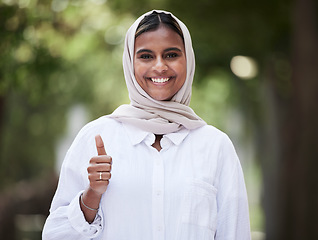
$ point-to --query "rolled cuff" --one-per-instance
(78, 222)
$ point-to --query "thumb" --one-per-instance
(100, 145)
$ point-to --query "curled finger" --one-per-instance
(103, 176)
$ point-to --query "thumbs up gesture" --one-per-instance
(99, 168)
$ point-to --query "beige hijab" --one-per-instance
(146, 113)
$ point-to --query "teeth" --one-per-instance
(160, 80)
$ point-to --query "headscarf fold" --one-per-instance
(146, 113)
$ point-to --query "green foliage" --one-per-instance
(52, 57)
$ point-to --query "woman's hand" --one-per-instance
(99, 168)
(98, 175)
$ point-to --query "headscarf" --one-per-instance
(146, 113)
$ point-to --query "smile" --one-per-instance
(159, 80)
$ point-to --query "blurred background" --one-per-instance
(256, 79)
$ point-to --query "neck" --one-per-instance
(156, 144)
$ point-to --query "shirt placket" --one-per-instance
(158, 198)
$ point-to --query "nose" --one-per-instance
(160, 65)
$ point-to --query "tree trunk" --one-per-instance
(294, 197)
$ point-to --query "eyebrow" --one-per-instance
(166, 50)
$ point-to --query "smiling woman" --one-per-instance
(160, 63)
(156, 170)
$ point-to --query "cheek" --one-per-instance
(139, 75)
(182, 71)
(139, 70)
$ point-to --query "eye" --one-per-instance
(145, 56)
(172, 55)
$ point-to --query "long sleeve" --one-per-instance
(233, 213)
(66, 220)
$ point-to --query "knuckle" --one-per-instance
(92, 160)
(91, 168)
(90, 177)
(108, 159)
(109, 167)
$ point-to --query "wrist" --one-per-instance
(87, 207)
(92, 193)
(90, 199)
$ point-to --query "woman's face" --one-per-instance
(160, 63)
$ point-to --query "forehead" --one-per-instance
(163, 37)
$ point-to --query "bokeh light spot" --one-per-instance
(244, 67)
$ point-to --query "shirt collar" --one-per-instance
(136, 135)
(177, 137)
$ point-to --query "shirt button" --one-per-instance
(159, 228)
(159, 193)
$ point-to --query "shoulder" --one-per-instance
(101, 123)
(209, 135)
(99, 126)
(208, 131)
(83, 145)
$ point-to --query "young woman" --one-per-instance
(155, 170)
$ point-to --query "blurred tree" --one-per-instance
(24, 92)
(297, 182)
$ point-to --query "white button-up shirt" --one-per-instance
(193, 189)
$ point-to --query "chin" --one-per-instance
(162, 98)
